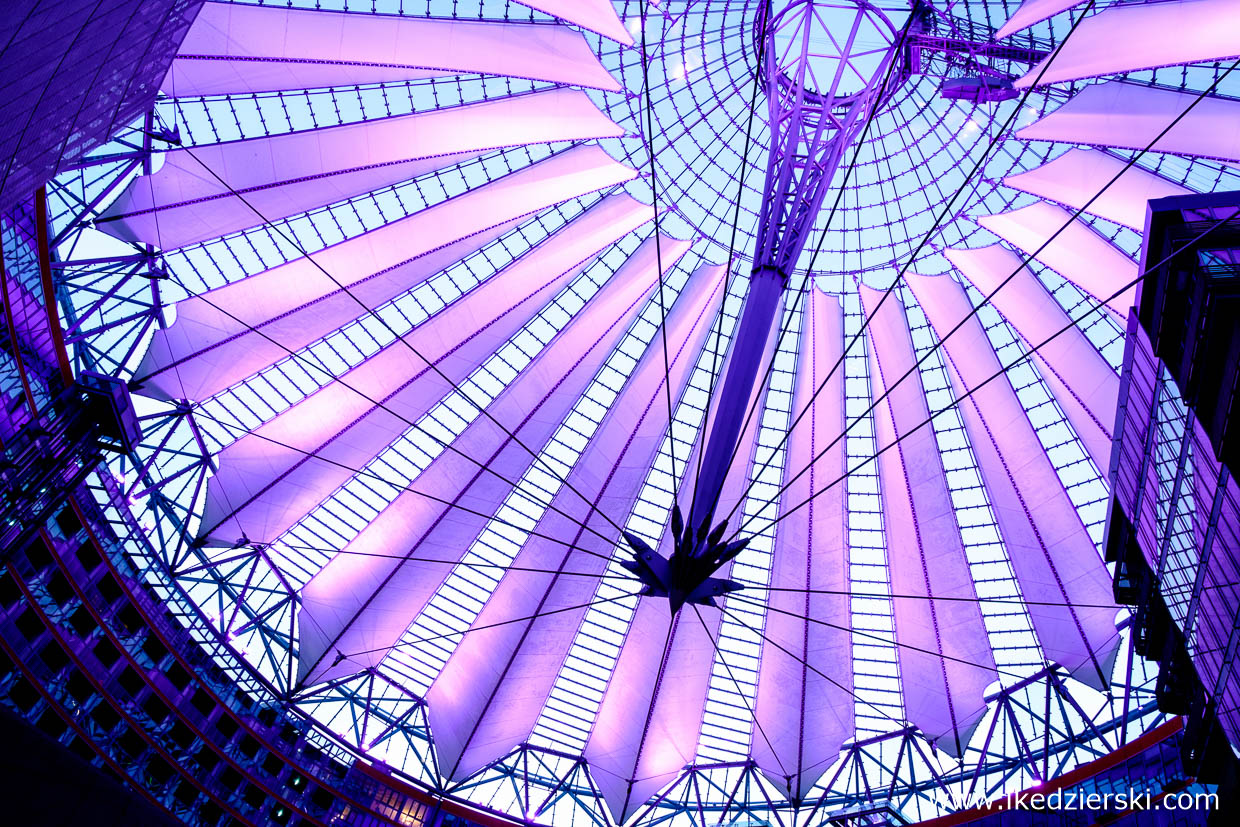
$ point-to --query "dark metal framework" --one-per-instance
(238, 603)
(1172, 525)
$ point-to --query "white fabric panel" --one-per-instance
(191, 198)
(647, 729)
(362, 601)
(1128, 38)
(238, 49)
(595, 15)
(270, 478)
(1132, 116)
(489, 695)
(1033, 11)
(804, 705)
(945, 658)
(1070, 247)
(1084, 384)
(181, 221)
(668, 684)
(1058, 567)
(235, 331)
(1080, 175)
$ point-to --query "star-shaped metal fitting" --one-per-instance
(685, 577)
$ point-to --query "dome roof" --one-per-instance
(439, 304)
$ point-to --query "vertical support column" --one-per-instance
(814, 115)
(766, 288)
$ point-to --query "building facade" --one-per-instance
(1174, 525)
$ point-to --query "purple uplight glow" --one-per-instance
(451, 330)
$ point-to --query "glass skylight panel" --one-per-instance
(908, 195)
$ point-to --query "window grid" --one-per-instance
(597, 645)
(879, 706)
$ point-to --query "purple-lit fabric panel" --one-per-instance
(273, 476)
(1071, 248)
(241, 49)
(361, 602)
(945, 657)
(1132, 116)
(648, 727)
(1052, 555)
(232, 332)
(596, 15)
(804, 705)
(185, 220)
(1080, 177)
(490, 693)
(1033, 11)
(1133, 37)
(1084, 384)
(667, 686)
(210, 191)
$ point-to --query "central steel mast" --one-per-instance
(814, 116)
(825, 68)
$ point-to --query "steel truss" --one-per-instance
(813, 116)
(238, 603)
